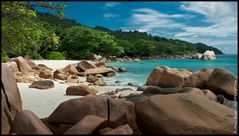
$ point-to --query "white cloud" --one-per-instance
(146, 20)
(219, 28)
(214, 11)
(221, 15)
(110, 15)
(111, 4)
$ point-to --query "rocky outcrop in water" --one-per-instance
(217, 80)
(223, 82)
(208, 55)
(167, 77)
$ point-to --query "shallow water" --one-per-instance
(139, 71)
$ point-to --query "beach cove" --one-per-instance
(47, 88)
(43, 102)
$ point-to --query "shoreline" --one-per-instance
(44, 102)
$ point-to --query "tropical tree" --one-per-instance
(51, 41)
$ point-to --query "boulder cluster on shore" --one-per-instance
(173, 101)
(207, 55)
(26, 71)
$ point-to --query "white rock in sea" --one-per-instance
(208, 55)
(199, 55)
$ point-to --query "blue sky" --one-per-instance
(213, 23)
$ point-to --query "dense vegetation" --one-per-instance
(26, 31)
(201, 48)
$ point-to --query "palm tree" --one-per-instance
(51, 41)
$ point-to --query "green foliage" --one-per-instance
(55, 56)
(81, 42)
(5, 58)
(142, 44)
(26, 31)
(203, 47)
(19, 34)
(35, 55)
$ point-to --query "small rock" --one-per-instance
(84, 65)
(91, 78)
(111, 93)
(42, 84)
(122, 69)
(58, 74)
(99, 75)
(82, 74)
(44, 66)
(45, 73)
(100, 82)
(133, 84)
(118, 81)
(81, 90)
(72, 79)
(110, 74)
(71, 69)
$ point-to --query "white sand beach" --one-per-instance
(44, 102)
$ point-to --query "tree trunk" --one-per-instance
(44, 50)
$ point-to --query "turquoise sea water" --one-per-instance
(139, 71)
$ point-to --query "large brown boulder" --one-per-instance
(84, 65)
(71, 69)
(22, 64)
(183, 113)
(210, 95)
(153, 90)
(81, 90)
(42, 84)
(164, 76)
(10, 89)
(102, 71)
(57, 128)
(100, 64)
(13, 65)
(222, 82)
(71, 111)
(198, 79)
(26, 122)
(88, 125)
(7, 116)
(122, 112)
(11, 98)
(32, 64)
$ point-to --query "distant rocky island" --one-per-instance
(207, 55)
